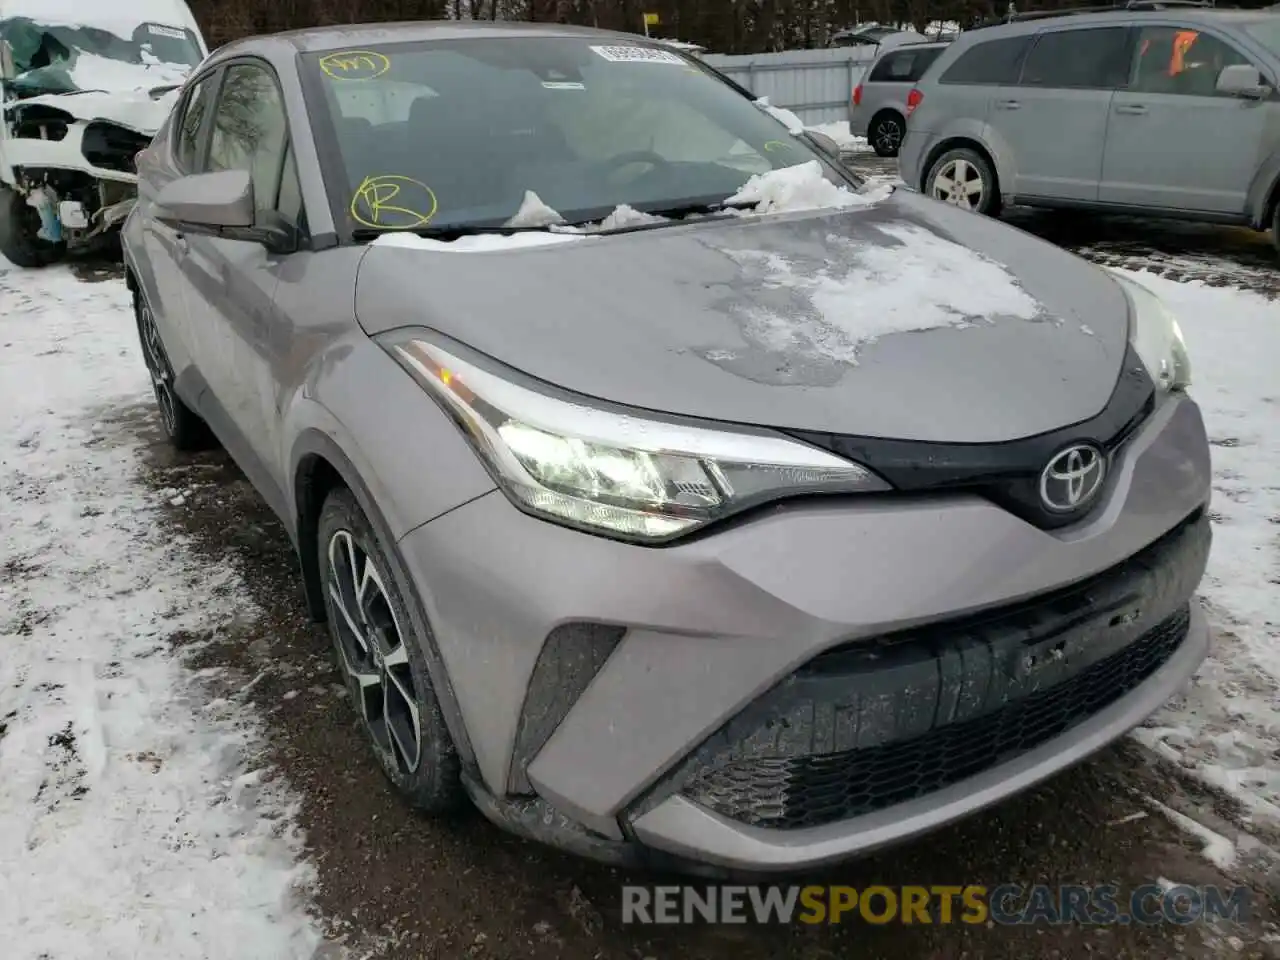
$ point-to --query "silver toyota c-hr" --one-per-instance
(667, 491)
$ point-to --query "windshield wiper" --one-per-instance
(698, 206)
(364, 234)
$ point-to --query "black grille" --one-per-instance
(809, 791)
(1006, 473)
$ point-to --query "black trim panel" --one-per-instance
(1008, 472)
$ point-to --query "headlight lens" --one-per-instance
(615, 473)
(1157, 337)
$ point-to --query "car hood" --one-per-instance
(904, 319)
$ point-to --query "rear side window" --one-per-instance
(1093, 58)
(904, 66)
(993, 62)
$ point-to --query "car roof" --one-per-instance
(352, 36)
(1208, 16)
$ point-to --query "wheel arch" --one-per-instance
(319, 466)
(955, 143)
(886, 109)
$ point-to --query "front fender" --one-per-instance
(360, 407)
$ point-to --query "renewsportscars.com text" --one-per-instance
(1006, 904)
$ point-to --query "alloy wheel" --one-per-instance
(158, 367)
(373, 651)
(959, 183)
(888, 136)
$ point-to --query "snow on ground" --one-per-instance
(1227, 729)
(132, 821)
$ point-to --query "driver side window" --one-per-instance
(1180, 61)
(250, 131)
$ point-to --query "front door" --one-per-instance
(1055, 119)
(1173, 142)
(233, 282)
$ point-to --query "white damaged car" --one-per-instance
(83, 88)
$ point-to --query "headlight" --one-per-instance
(616, 473)
(1157, 337)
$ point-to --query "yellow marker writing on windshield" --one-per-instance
(354, 64)
(776, 145)
(393, 201)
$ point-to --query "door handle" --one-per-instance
(1131, 109)
(1008, 104)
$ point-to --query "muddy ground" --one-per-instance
(398, 886)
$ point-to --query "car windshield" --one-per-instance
(465, 133)
(59, 58)
(1266, 32)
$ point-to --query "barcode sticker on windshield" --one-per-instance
(159, 31)
(621, 54)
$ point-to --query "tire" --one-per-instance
(1275, 227)
(885, 133)
(183, 426)
(954, 175)
(19, 224)
(380, 656)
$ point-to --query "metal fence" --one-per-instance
(815, 84)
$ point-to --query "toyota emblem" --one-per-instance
(1073, 478)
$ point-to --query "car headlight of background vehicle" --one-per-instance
(1157, 337)
(619, 474)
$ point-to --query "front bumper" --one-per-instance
(699, 699)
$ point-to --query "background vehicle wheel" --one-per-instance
(19, 224)
(963, 178)
(885, 133)
(1275, 227)
(381, 657)
(182, 425)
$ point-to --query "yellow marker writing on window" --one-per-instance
(354, 64)
(773, 145)
(390, 201)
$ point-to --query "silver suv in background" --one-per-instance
(1171, 113)
(878, 106)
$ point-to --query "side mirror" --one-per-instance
(222, 205)
(1242, 80)
(208, 202)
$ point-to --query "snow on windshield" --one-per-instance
(794, 125)
(534, 213)
(70, 57)
(92, 72)
(802, 187)
(122, 19)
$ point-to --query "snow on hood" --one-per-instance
(479, 243)
(802, 187)
(135, 109)
(917, 281)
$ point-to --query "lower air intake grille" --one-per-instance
(808, 791)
